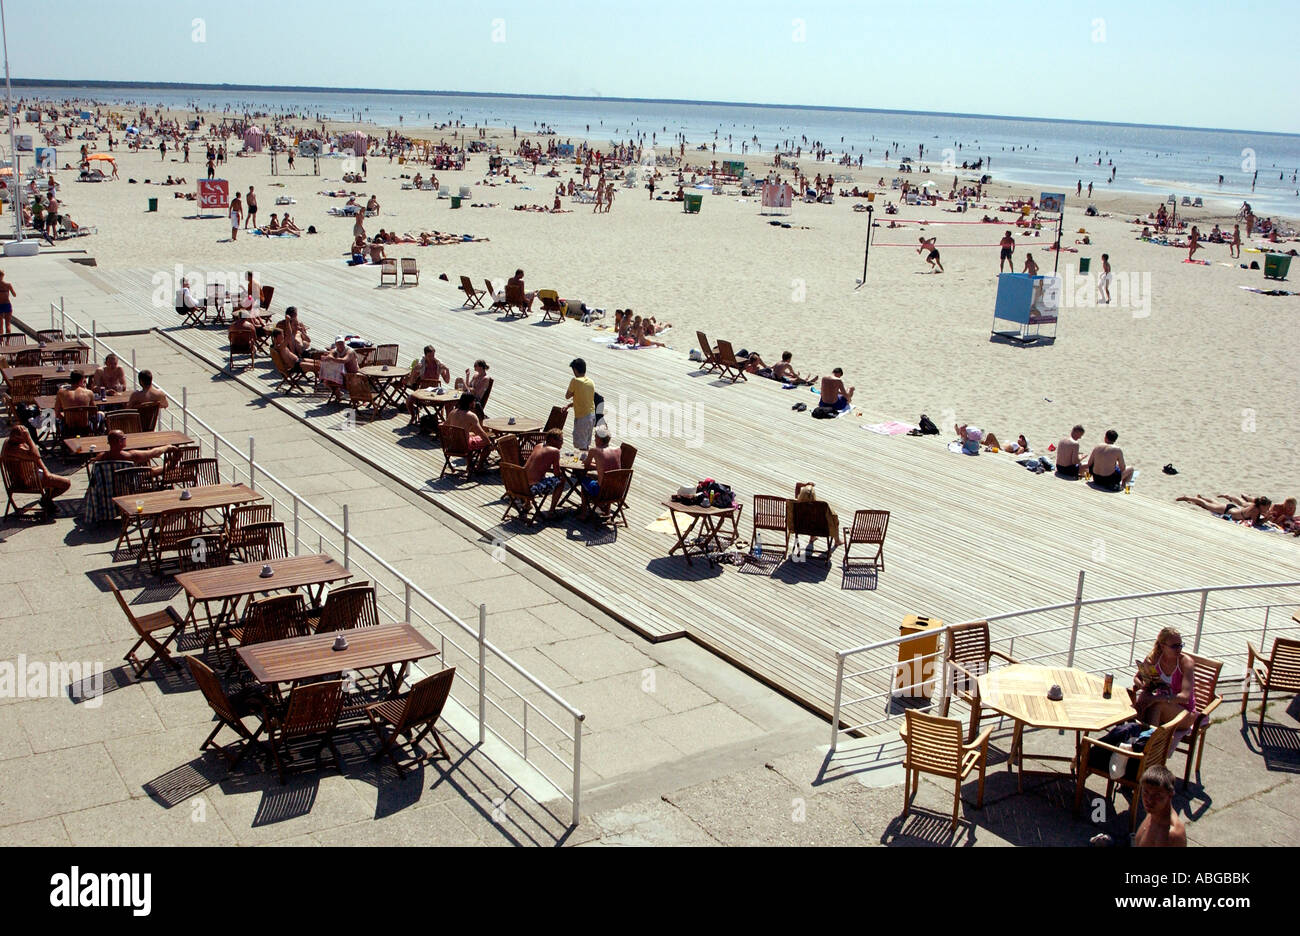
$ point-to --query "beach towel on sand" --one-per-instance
(892, 427)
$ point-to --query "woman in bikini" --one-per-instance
(1194, 244)
(1165, 686)
(1254, 513)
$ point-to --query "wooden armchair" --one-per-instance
(508, 449)
(419, 708)
(455, 444)
(313, 712)
(195, 471)
(518, 494)
(610, 502)
(348, 607)
(241, 517)
(770, 514)
(128, 420)
(869, 529)
(1206, 676)
(1095, 756)
(1279, 673)
(172, 533)
(20, 477)
(967, 655)
(263, 541)
(934, 746)
(276, 618)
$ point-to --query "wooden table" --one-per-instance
(436, 401)
(574, 473)
(134, 440)
(114, 399)
(234, 583)
(386, 646)
(50, 348)
(150, 505)
(521, 425)
(44, 371)
(711, 520)
(389, 381)
(1019, 691)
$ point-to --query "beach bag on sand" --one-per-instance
(824, 412)
(927, 426)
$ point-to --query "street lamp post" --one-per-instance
(17, 247)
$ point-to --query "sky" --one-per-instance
(1192, 63)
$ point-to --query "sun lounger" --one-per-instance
(410, 270)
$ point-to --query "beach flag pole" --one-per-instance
(1060, 227)
(866, 256)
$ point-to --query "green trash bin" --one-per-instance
(153, 204)
(455, 201)
(692, 204)
(1085, 264)
(1276, 266)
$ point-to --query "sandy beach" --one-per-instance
(1191, 369)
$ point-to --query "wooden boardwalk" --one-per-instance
(968, 536)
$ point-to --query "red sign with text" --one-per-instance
(214, 193)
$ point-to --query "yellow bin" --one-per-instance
(917, 660)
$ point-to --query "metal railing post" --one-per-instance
(406, 607)
(252, 466)
(295, 524)
(347, 536)
(94, 342)
(839, 695)
(1200, 620)
(185, 410)
(482, 673)
(1074, 624)
(63, 323)
(577, 766)
(135, 382)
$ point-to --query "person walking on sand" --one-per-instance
(212, 168)
(1194, 243)
(236, 215)
(1234, 248)
(162, 151)
(252, 210)
(7, 293)
(1090, 190)
(1103, 281)
(932, 257)
(1008, 245)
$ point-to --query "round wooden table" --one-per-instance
(388, 381)
(521, 426)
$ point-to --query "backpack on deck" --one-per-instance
(927, 426)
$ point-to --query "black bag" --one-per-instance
(927, 426)
(823, 412)
(428, 424)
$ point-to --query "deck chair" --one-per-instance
(289, 380)
(361, 393)
(1206, 677)
(934, 746)
(410, 270)
(473, 297)
(313, 712)
(243, 343)
(148, 416)
(501, 304)
(710, 363)
(869, 528)
(518, 494)
(1095, 756)
(1279, 673)
(508, 450)
(20, 477)
(732, 368)
(387, 268)
(421, 707)
(610, 501)
(813, 519)
(386, 354)
(552, 304)
(230, 712)
(1198, 202)
(516, 300)
(146, 629)
(239, 519)
(967, 656)
(348, 607)
(455, 444)
(128, 420)
(263, 541)
(770, 514)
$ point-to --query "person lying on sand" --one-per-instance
(1256, 513)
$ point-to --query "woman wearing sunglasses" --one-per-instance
(1165, 683)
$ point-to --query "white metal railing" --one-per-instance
(866, 696)
(490, 675)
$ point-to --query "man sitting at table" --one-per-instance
(295, 334)
(542, 459)
(110, 377)
(465, 417)
(603, 459)
(117, 451)
(186, 299)
(147, 393)
(75, 394)
(426, 372)
(341, 354)
(294, 363)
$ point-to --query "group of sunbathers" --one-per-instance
(1257, 511)
(636, 331)
(277, 225)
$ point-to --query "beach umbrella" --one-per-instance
(104, 156)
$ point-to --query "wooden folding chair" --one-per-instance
(502, 304)
(1279, 673)
(869, 529)
(20, 477)
(290, 380)
(508, 450)
(387, 268)
(230, 713)
(710, 362)
(79, 421)
(518, 494)
(770, 514)
(242, 343)
(215, 298)
(348, 607)
(172, 533)
(198, 471)
(811, 519)
(732, 369)
(362, 394)
(148, 416)
(934, 746)
(480, 403)
(626, 455)
(516, 300)
(1205, 674)
(239, 519)
(146, 629)
(49, 334)
(263, 541)
(264, 303)
(455, 444)
(386, 354)
(609, 504)
(552, 305)
(421, 707)
(128, 481)
(172, 475)
(473, 297)
(410, 270)
(313, 712)
(128, 420)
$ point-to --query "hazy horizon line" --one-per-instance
(212, 86)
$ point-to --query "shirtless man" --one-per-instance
(1031, 266)
(295, 333)
(111, 376)
(1008, 245)
(7, 294)
(117, 451)
(147, 393)
(242, 327)
(603, 459)
(75, 394)
(932, 257)
(348, 358)
(518, 280)
(834, 394)
(1103, 281)
(1106, 462)
(785, 371)
(252, 209)
(1067, 454)
(427, 372)
(292, 361)
(20, 447)
(542, 459)
(236, 216)
(1161, 828)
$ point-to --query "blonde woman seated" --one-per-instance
(1164, 685)
(807, 494)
